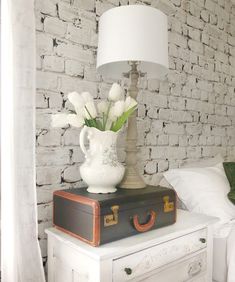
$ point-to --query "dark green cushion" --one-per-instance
(229, 168)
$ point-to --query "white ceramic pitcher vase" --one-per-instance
(101, 170)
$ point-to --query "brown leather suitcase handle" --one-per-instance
(144, 227)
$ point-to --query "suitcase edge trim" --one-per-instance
(96, 220)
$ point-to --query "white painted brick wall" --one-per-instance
(189, 116)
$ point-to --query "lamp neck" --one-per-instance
(134, 77)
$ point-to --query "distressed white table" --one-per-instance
(179, 252)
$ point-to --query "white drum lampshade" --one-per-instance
(133, 33)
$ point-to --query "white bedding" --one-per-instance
(231, 255)
(224, 253)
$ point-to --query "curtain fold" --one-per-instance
(21, 256)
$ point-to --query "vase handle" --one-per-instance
(81, 140)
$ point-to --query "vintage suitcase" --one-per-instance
(101, 218)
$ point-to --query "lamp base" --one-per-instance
(132, 179)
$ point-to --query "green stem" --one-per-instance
(107, 115)
(92, 119)
(103, 121)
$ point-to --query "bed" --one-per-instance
(224, 231)
(224, 254)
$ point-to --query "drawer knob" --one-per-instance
(128, 270)
(203, 240)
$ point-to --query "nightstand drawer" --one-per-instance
(189, 269)
(135, 265)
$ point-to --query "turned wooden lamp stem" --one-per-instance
(132, 178)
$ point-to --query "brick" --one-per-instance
(178, 39)
(52, 156)
(163, 140)
(55, 26)
(174, 129)
(194, 129)
(157, 126)
(210, 5)
(84, 36)
(195, 46)
(205, 85)
(72, 51)
(84, 4)
(194, 34)
(68, 84)
(163, 165)
(67, 13)
(41, 101)
(48, 175)
(205, 16)
(176, 103)
(55, 100)
(151, 167)
(44, 43)
(71, 137)
(177, 153)
(181, 116)
(74, 68)
(102, 7)
(45, 212)
(173, 140)
(183, 140)
(46, 80)
(147, 97)
(43, 120)
(71, 174)
(46, 7)
(50, 138)
(151, 139)
(53, 63)
(91, 74)
(38, 62)
(78, 155)
(153, 84)
(39, 20)
(195, 22)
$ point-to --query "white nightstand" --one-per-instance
(176, 253)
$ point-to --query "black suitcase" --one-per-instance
(101, 218)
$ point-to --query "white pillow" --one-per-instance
(199, 163)
(203, 190)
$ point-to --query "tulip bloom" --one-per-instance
(116, 93)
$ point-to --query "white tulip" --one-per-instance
(75, 120)
(116, 93)
(129, 103)
(77, 100)
(102, 107)
(118, 108)
(87, 97)
(112, 115)
(90, 110)
(59, 120)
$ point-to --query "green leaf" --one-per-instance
(99, 125)
(122, 119)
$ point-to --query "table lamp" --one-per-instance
(132, 42)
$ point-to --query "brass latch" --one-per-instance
(111, 219)
(168, 206)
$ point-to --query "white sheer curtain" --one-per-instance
(21, 258)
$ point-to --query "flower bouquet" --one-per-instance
(109, 115)
(101, 169)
